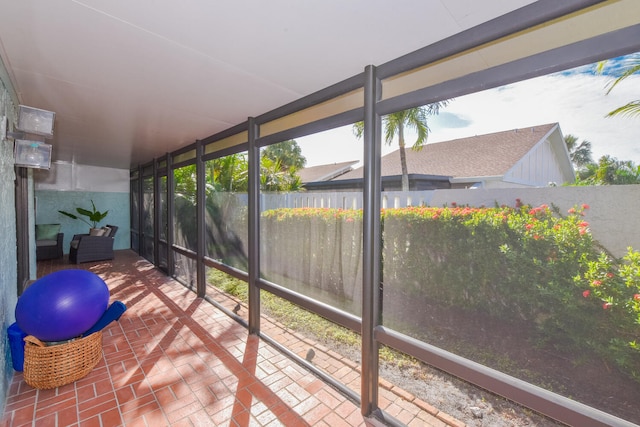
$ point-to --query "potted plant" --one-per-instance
(94, 215)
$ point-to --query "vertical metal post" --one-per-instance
(371, 243)
(254, 228)
(171, 268)
(201, 280)
(141, 250)
(22, 227)
(156, 214)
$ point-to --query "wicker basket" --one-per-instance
(50, 366)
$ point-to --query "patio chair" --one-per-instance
(86, 248)
(48, 241)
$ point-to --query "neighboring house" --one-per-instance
(325, 172)
(530, 157)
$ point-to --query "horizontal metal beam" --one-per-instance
(231, 271)
(226, 311)
(322, 125)
(326, 94)
(528, 16)
(543, 401)
(184, 251)
(327, 311)
(346, 391)
(609, 45)
(242, 127)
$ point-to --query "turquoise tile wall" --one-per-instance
(48, 203)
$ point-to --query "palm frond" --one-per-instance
(633, 67)
(630, 109)
(358, 129)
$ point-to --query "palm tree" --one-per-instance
(580, 154)
(631, 65)
(273, 177)
(610, 171)
(396, 124)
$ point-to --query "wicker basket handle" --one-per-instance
(33, 340)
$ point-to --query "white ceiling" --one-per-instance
(132, 80)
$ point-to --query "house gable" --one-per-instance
(528, 157)
(547, 163)
(325, 172)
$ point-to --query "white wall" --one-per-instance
(614, 214)
(64, 176)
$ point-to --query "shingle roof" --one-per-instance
(325, 172)
(492, 154)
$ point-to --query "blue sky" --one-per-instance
(574, 98)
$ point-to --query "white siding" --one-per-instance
(538, 168)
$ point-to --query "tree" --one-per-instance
(288, 153)
(274, 177)
(396, 124)
(185, 182)
(630, 66)
(279, 164)
(610, 171)
(580, 154)
(229, 173)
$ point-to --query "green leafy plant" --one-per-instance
(94, 216)
(615, 284)
(531, 265)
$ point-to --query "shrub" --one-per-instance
(530, 264)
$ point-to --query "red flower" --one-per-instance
(606, 305)
(609, 275)
(584, 224)
(528, 226)
(596, 283)
(636, 297)
(572, 211)
(586, 293)
(585, 206)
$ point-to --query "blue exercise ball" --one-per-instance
(62, 305)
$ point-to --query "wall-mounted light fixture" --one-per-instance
(32, 154)
(36, 121)
(34, 125)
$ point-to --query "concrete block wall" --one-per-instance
(8, 248)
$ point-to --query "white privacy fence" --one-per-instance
(343, 200)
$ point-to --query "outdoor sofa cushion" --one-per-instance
(48, 241)
(85, 247)
(47, 231)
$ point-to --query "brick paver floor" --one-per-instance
(176, 360)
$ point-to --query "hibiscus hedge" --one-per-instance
(525, 264)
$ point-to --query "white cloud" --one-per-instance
(577, 101)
